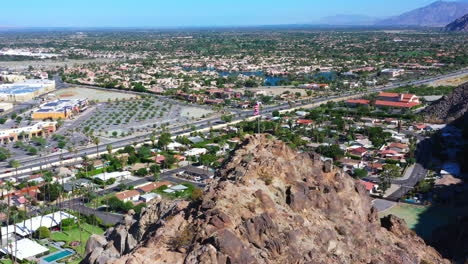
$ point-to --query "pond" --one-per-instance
(269, 80)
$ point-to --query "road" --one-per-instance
(37, 162)
(423, 157)
(76, 204)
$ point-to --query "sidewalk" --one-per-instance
(408, 173)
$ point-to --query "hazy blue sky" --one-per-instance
(164, 13)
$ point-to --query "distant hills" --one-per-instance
(459, 25)
(348, 20)
(437, 14)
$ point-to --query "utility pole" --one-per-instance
(257, 113)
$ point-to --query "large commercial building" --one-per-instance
(25, 90)
(60, 109)
(37, 130)
(5, 107)
(390, 99)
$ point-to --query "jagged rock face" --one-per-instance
(449, 107)
(270, 205)
(459, 25)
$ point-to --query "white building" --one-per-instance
(149, 196)
(25, 90)
(393, 72)
(24, 249)
(5, 107)
(196, 152)
(113, 175)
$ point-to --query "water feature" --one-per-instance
(269, 80)
(59, 255)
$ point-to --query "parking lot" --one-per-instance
(124, 118)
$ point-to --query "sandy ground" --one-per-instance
(194, 112)
(454, 81)
(92, 94)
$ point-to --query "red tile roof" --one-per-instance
(398, 145)
(369, 185)
(358, 101)
(359, 150)
(395, 104)
(304, 121)
(127, 194)
(153, 186)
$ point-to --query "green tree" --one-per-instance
(49, 192)
(141, 172)
(42, 232)
(226, 118)
(109, 149)
(360, 173)
(389, 173)
(164, 140)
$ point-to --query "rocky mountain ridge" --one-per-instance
(437, 14)
(449, 107)
(270, 204)
(459, 25)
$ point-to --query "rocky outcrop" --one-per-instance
(270, 204)
(459, 25)
(450, 107)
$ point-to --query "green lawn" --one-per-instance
(92, 204)
(186, 194)
(74, 235)
(6, 261)
(422, 219)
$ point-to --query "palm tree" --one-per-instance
(153, 138)
(15, 253)
(109, 149)
(96, 142)
(9, 187)
(15, 164)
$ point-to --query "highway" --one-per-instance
(37, 162)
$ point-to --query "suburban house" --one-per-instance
(398, 147)
(113, 175)
(350, 164)
(359, 152)
(149, 196)
(196, 152)
(374, 167)
(370, 187)
(99, 164)
(152, 186)
(130, 195)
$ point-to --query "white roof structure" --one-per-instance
(109, 175)
(179, 187)
(196, 152)
(24, 248)
(149, 196)
(174, 145)
(28, 226)
(27, 129)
